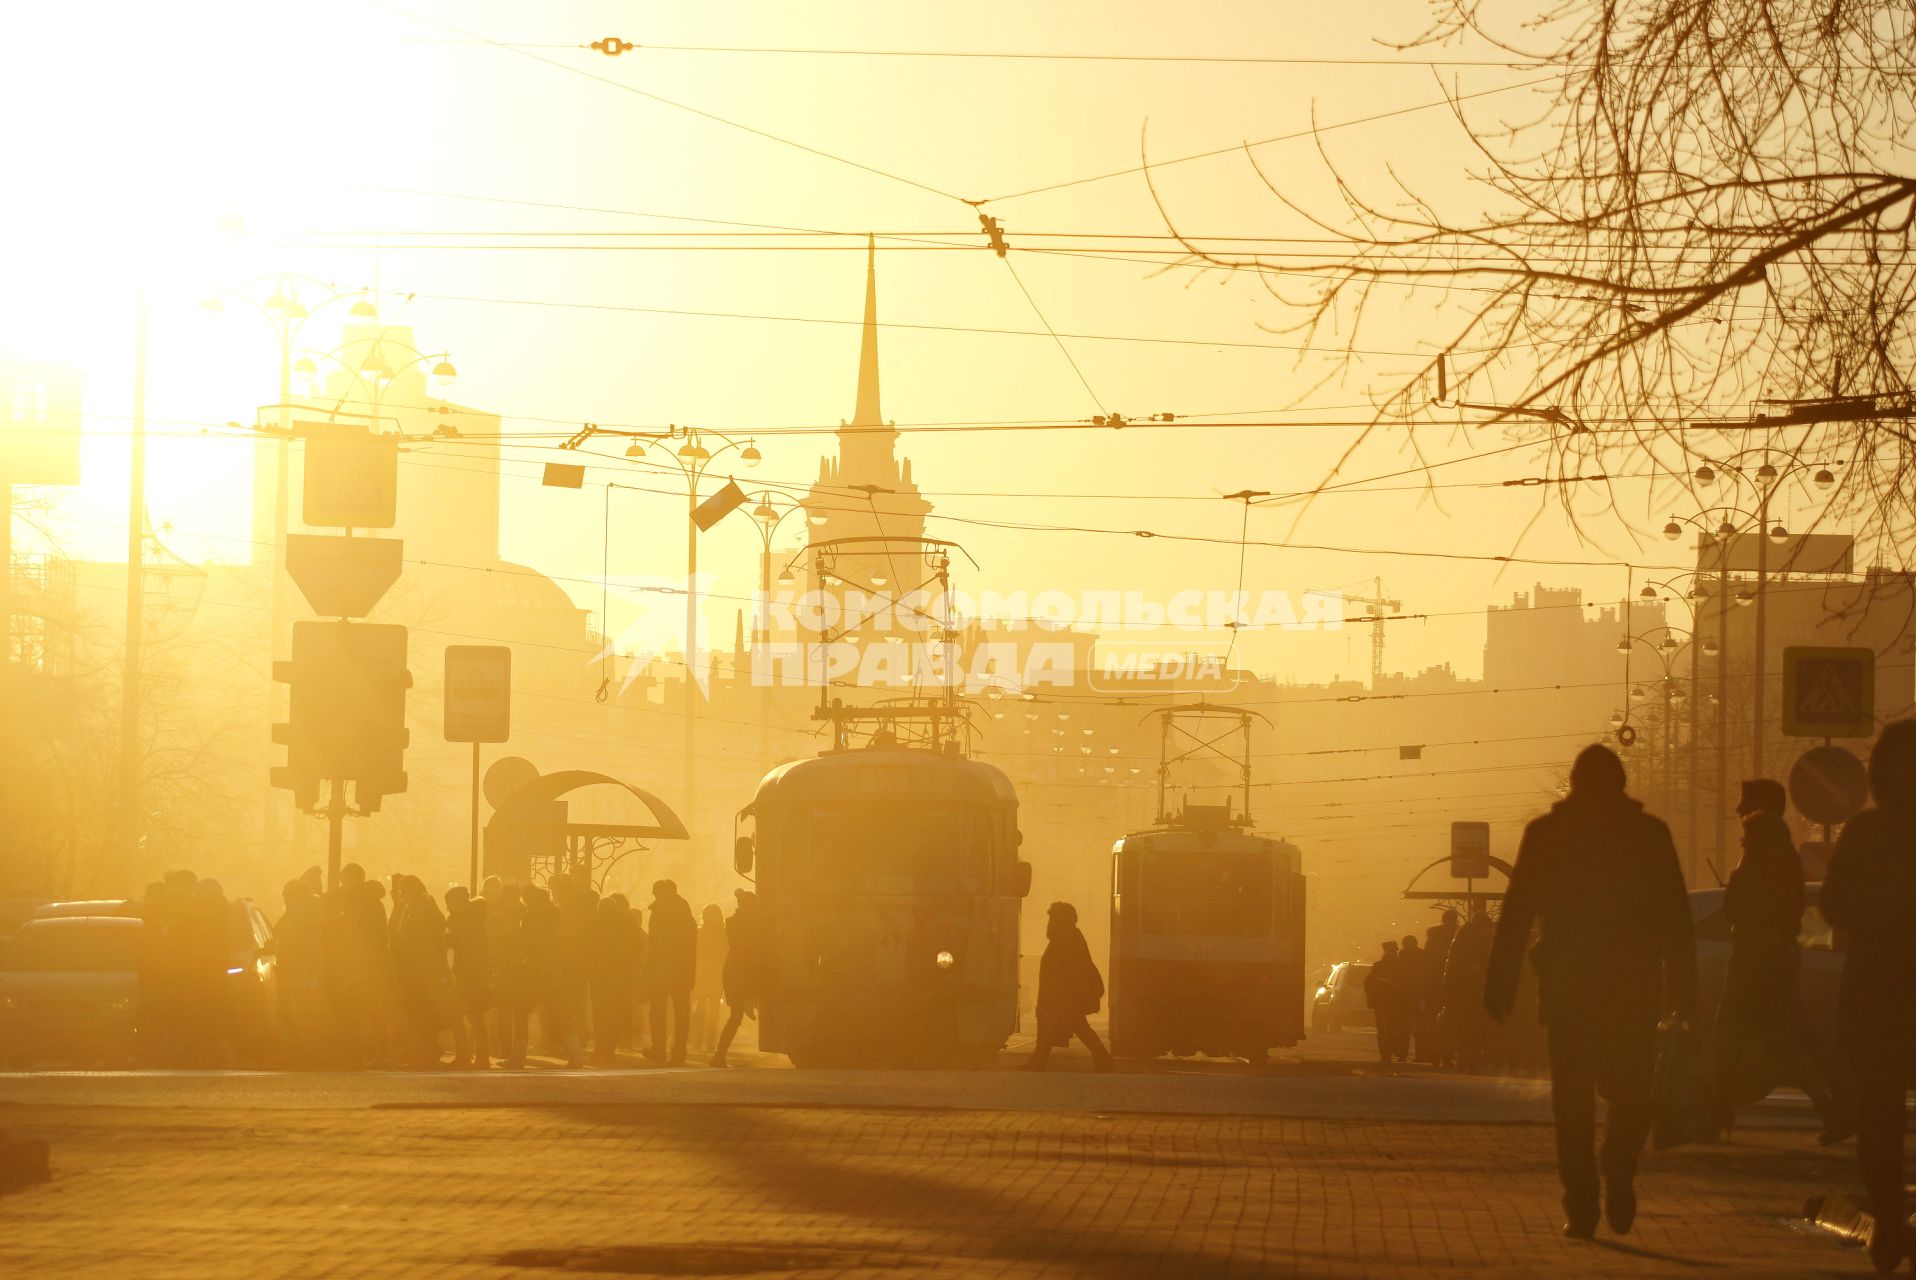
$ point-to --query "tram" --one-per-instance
(1207, 931)
(891, 883)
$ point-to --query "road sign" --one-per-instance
(478, 692)
(342, 577)
(1470, 850)
(352, 477)
(1829, 692)
(716, 507)
(1829, 785)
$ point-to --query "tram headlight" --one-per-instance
(945, 960)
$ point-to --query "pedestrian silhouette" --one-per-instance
(1869, 894)
(1761, 1023)
(1412, 964)
(748, 962)
(473, 991)
(543, 932)
(1070, 989)
(506, 937)
(1384, 997)
(1598, 878)
(671, 966)
(708, 990)
(616, 948)
(1466, 1026)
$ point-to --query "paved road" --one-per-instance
(1319, 1166)
(1331, 1079)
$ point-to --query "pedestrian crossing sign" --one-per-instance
(1829, 692)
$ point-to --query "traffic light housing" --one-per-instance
(348, 713)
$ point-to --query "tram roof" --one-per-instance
(1183, 836)
(890, 771)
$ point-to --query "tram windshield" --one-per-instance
(897, 849)
(1208, 893)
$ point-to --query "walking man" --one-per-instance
(1381, 994)
(1069, 990)
(748, 963)
(671, 965)
(1599, 880)
(1870, 894)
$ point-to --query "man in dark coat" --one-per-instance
(1465, 968)
(542, 931)
(474, 995)
(1869, 895)
(671, 965)
(1761, 1015)
(1383, 995)
(1070, 989)
(1599, 879)
(1411, 973)
(748, 967)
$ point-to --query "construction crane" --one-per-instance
(1382, 610)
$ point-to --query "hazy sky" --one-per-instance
(204, 144)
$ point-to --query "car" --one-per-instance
(250, 995)
(1341, 1001)
(86, 907)
(16, 911)
(70, 991)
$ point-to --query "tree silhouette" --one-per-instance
(1711, 214)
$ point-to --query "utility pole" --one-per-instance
(131, 823)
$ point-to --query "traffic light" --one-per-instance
(348, 715)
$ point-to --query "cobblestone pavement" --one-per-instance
(444, 1189)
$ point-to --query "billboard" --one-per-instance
(1825, 553)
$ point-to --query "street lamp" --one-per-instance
(1666, 649)
(1766, 478)
(373, 370)
(693, 457)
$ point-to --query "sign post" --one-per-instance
(478, 708)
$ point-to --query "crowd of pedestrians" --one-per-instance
(373, 974)
(1426, 998)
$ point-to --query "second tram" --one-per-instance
(1207, 939)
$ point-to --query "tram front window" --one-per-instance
(1208, 894)
(894, 850)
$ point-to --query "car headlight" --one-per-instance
(945, 960)
(7, 1002)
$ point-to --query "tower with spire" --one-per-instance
(867, 490)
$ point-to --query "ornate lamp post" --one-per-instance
(1773, 466)
(695, 452)
(1667, 644)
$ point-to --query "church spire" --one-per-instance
(867, 413)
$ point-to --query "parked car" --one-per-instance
(86, 907)
(252, 976)
(16, 911)
(1341, 1001)
(1817, 980)
(70, 991)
